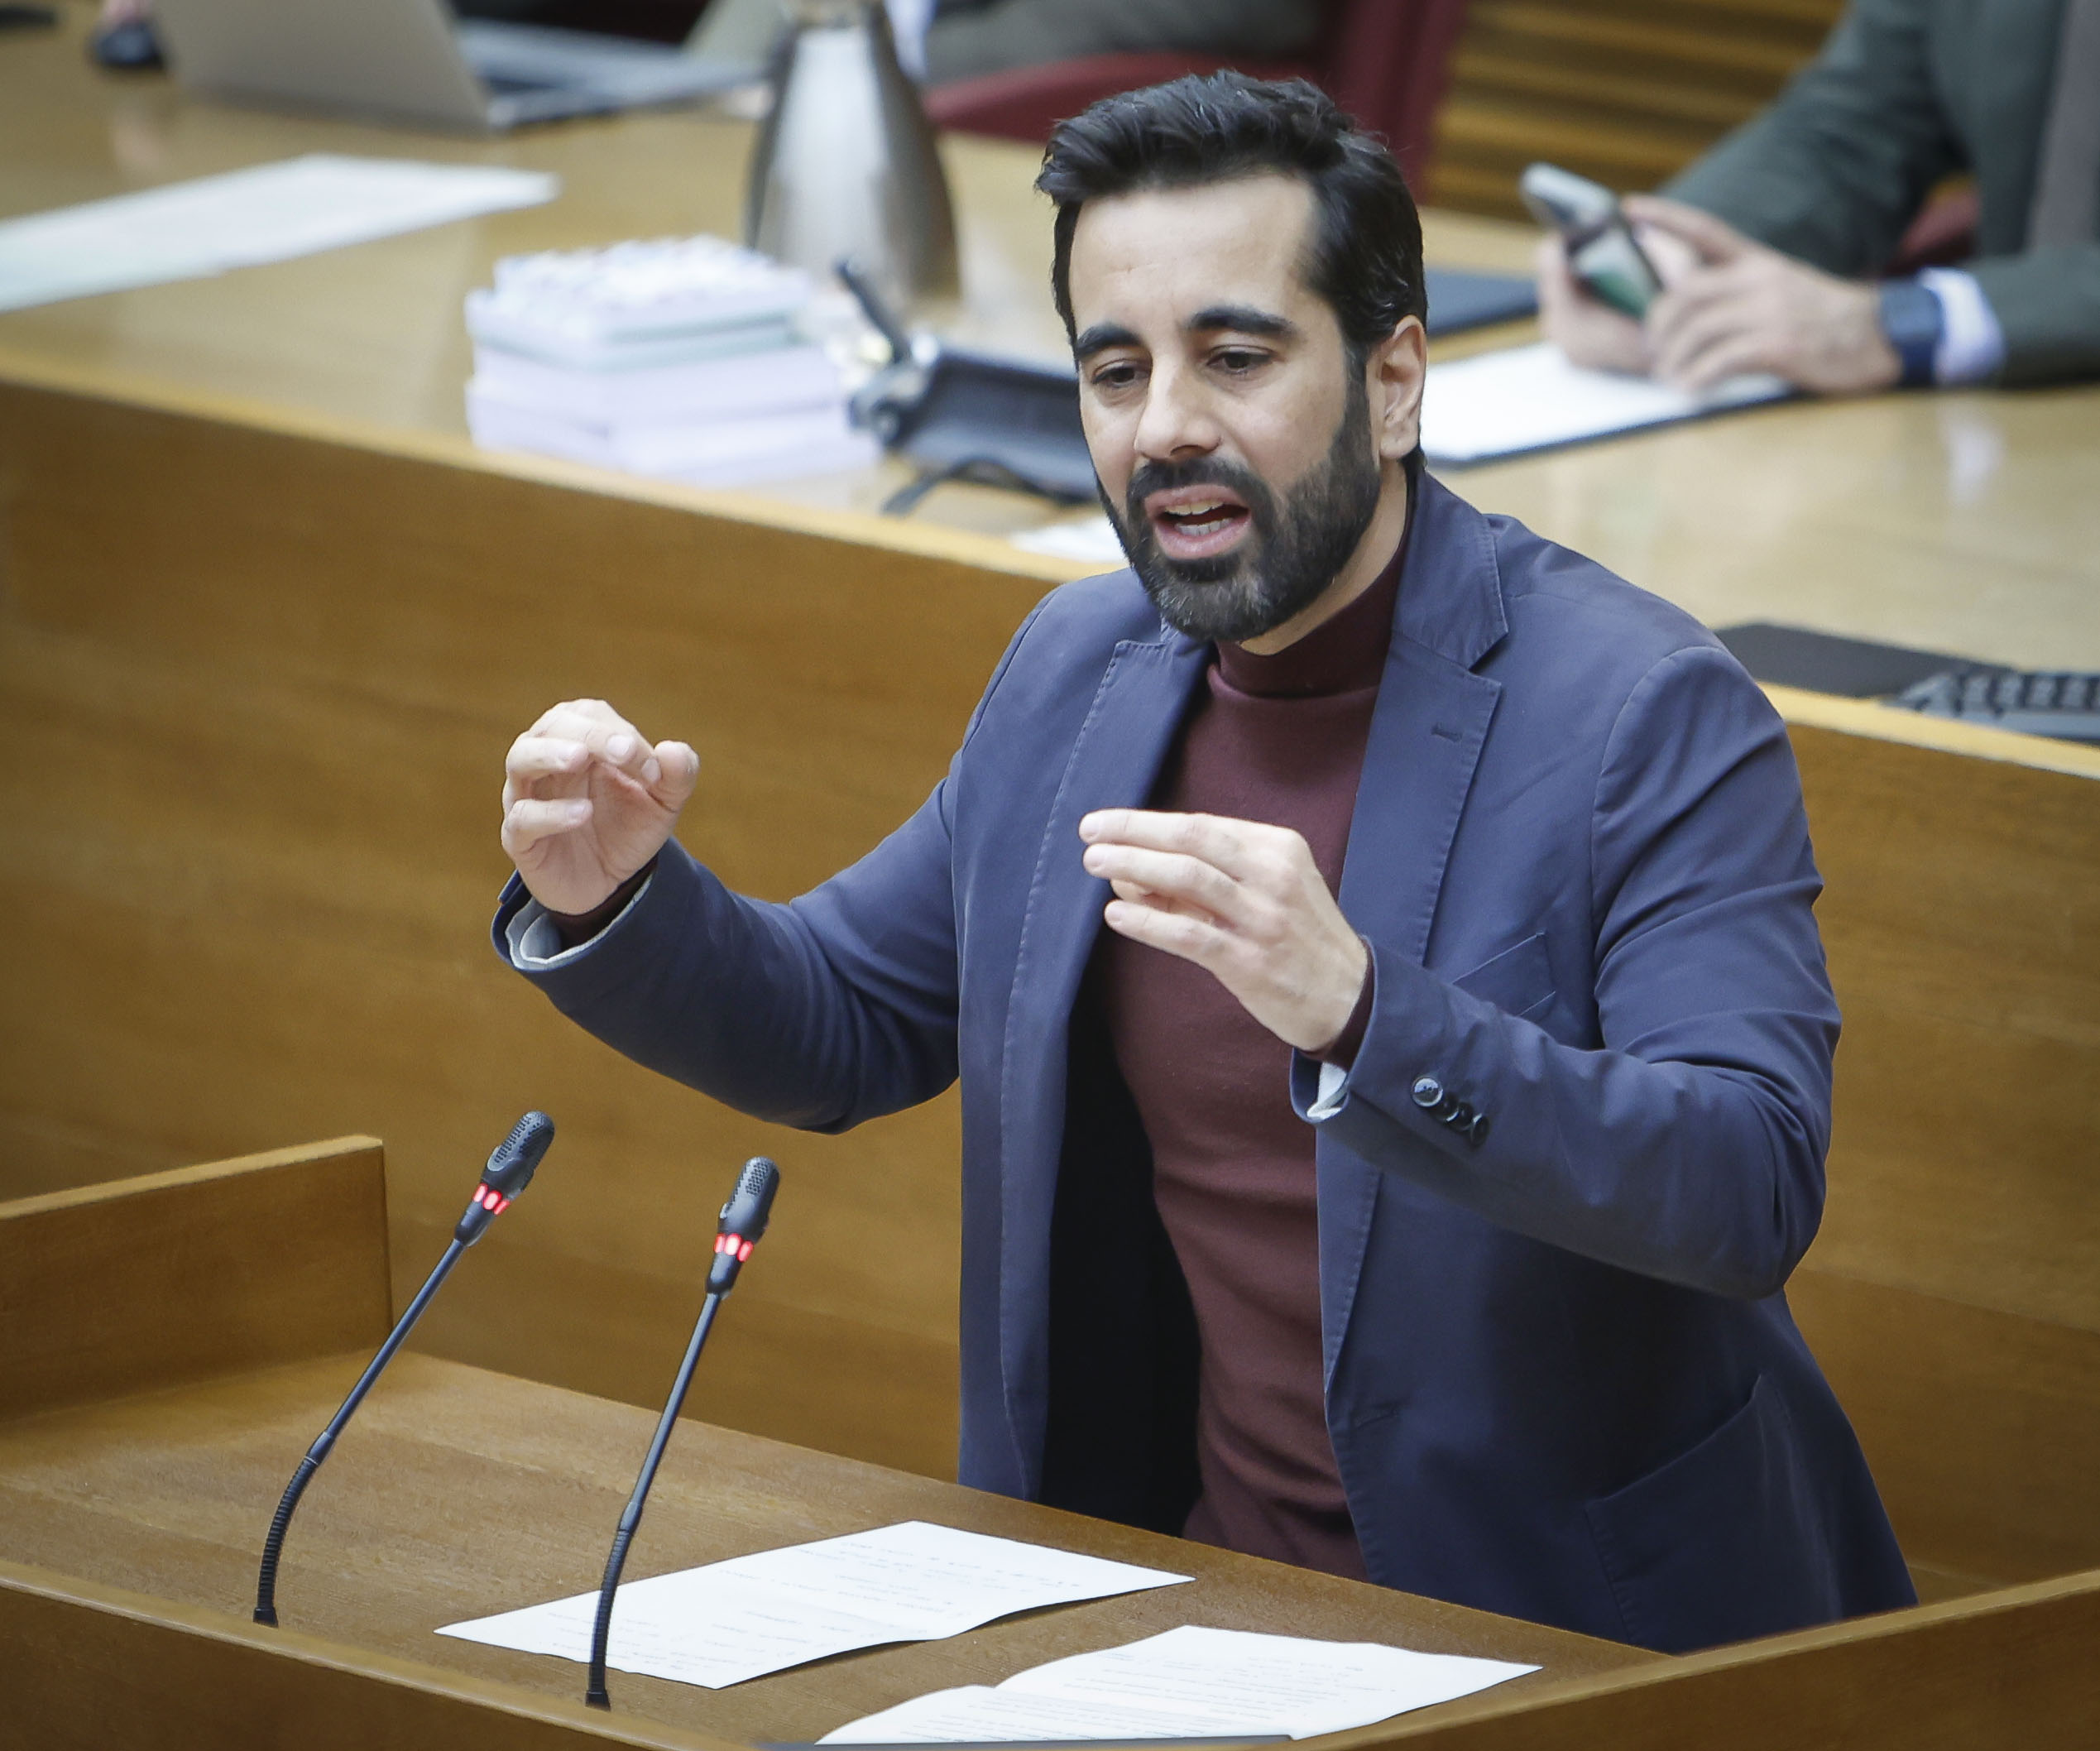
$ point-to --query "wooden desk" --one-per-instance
(169, 1344)
(459, 1492)
(267, 621)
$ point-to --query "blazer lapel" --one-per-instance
(1428, 732)
(1114, 762)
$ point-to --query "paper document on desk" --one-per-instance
(272, 212)
(726, 1622)
(1188, 1683)
(1531, 398)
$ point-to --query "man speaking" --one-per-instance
(1403, 1182)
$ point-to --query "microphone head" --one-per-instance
(751, 1203)
(512, 1165)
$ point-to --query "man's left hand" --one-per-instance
(1243, 901)
(1747, 308)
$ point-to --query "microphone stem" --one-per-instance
(595, 1695)
(265, 1588)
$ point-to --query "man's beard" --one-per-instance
(1294, 552)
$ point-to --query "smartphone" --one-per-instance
(1602, 249)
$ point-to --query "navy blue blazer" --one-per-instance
(1579, 1151)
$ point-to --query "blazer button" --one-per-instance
(1476, 1133)
(1427, 1090)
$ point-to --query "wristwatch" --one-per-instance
(1913, 323)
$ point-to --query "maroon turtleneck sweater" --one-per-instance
(1278, 739)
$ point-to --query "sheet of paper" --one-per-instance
(270, 212)
(1091, 540)
(726, 1622)
(1186, 1682)
(1531, 398)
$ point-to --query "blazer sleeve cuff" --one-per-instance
(535, 941)
(678, 891)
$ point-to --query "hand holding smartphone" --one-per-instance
(1603, 252)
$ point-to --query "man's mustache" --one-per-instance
(1201, 471)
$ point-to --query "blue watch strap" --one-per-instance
(1913, 323)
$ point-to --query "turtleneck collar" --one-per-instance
(1338, 656)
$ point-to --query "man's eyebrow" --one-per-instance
(1100, 338)
(1242, 318)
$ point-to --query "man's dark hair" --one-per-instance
(1366, 253)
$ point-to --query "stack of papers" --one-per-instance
(680, 359)
(1531, 398)
(726, 1622)
(1189, 1683)
(269, 213)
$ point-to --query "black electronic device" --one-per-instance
(1603, 252)
(968, 415)
(1460, 299)
(738, 1231)
(2044, 703)
(510, 1170)
(2038, 703)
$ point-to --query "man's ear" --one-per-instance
(1396, 370)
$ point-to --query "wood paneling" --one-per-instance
(256, 824)
(1953, 1294)
(1963, 926)
(151, 1281)
(2008, 1672)
(1983, 1427)
(1629, 92)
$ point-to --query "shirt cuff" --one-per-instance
(536, 944)
(1334, 1093)
(1972, 345)
(1336, 1062)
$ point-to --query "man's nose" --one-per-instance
(1176, 421)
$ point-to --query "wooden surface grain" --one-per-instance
(459, 1493)
(92, 1666)
(147, 1283)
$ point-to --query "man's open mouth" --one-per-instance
(1192, 522)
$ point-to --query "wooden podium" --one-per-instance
(168, 1345)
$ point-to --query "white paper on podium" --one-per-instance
(270, 213)
(726, 1622)
(1531, 398)
(1188, 1683)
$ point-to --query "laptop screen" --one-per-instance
(642, 20)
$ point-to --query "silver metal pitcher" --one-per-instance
(845, 165)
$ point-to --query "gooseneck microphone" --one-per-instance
(741, 1227)
(509, 1172)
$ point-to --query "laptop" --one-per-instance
(410, 60)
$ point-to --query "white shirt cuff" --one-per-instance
(535, 943)
(1972, 345)
(1333, 1091)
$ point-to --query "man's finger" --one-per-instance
(1176, 874)
(529, 820)
(1713, 238)
(1185, 934)
(1222, 844)
(545, 756)
(678, 771)
(609, 737)
(1682, 335)
(1729, 356)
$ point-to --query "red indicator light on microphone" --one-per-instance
(743, 1251)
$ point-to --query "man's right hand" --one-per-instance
(588, 803)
